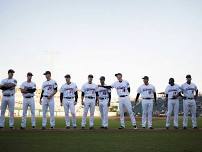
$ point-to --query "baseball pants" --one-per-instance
(173, 106)
(89, 104)
(103, 107)
(28, 102)
(10, 102)
(189, 105)
(69, 106)
(147, 109)
(125, 102)
(48, 103)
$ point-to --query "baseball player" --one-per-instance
(68, 98)
(190, 94)
(27, 89)
(104, 98)
(8, 91)
(123, 90)
(172, 93)
(148, 94)
(89, 97)
(49, 89)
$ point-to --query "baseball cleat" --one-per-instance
(195, 128)
(43, 128)
(91, 128)
(134, 127)
(143, 127)
(151, 128)
(167, 128)
(121, 127)
(22, 128)
(184, 128)
(33, 127)
(67, 127)
(175, 127)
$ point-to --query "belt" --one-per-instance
(45, 96)
(89, 97)
(29, 97)
(123, 96)
(188, 98)
(147, 98)
(8, 95)
(102, 98)
(69, 97)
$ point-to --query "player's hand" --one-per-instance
(40, 102)
(82, 103)
(61, 104)
(75, 102)
(108, 104)
(49, 97)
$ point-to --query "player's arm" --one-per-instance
(110, 96)
(54, 92)
(41, 96)
(76, 97)
(31, 90)
(97, 98)
(137, 97)
(196, 95)
(154, 96)
(82, 97)
(61, 98)
(129, 89)
(166, 100)
(23, 90)
(107, 87)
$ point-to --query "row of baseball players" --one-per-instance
(93, 95)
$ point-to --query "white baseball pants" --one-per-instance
(88, 104)
(69, 106)
(189, 105)
(125, 102)
(28, 102)
(48, 103)
(10, 102)
(103, 107)
(147, 109)
(173, 106)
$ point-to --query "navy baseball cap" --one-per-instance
(11, 71)
(67, 76)
(188, 76)
(29, 74)
(146, 77)
(118, 74)
(102, 78)
(90, 76)
(47, 72)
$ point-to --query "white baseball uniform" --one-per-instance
(124, 101)
(189, 103)
(147, 94)
(173, 103)
(103, 94)
(89, 102)
(28, 101)
(8, 99)
(48, 88)
(68, 91)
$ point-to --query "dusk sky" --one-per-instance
(159, 38)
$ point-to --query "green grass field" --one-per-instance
(98, 140)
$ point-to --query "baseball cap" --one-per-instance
(11, 71)
(47, 72)
(67, 76)
(188, 76)
(146, 77)
(102, 78)
(90, 76)
(171, 79)
(29, 74)
(118, 74)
